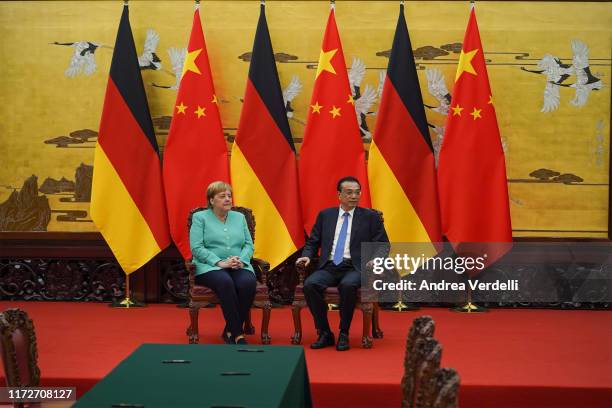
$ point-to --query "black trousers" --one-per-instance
(235, 288)
(347, 279)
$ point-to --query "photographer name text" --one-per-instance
(404, 285)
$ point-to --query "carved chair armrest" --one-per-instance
(301, 270)
(189, 265)
(304, 271)
(367, 292)
(263, 267)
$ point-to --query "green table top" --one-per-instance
(277, 378)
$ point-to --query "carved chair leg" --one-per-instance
(297, 324)
(377, 333)
(366, 340)
(248, 325)
(265, 321)
(192, 330)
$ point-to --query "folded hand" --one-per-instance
(224, 263)
(235, 262)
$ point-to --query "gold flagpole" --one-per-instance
(400, 306)
(127, 301)
(469, 307)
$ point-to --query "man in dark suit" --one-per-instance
(339, 232)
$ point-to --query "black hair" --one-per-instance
(345, 179)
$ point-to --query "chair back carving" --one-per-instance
(422, 327)
(429, 354)
(444, 387)
(18, 349)
(425, 384)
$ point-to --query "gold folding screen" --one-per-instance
(55, 56)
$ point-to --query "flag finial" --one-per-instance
(263, 3)
(125, 3)
(332, 4)
(197, 4)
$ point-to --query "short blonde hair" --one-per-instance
(215, 188)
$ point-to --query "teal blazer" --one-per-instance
(212, 241)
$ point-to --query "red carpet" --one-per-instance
(506, 358)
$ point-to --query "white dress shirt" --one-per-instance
(347, 252)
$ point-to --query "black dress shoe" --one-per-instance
(343, 342)
(325, 339)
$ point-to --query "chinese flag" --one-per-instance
(264, 169)
(332, 145)
(127, 195)
(472, 170)
(401, 167)
(196, 153)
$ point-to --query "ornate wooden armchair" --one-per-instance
(422, 327)
(425, 384)
(18, 348)
(444, 389)
(201, 296)
(428, 355)
(332, 297)
(369, 309)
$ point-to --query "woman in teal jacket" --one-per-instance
(222, 248)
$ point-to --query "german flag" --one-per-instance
(127, 199)
(401, 165)
(263, 164)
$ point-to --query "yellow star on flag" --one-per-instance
(351, 100)
(490, 100)
(190, 64)
(476, 113)
(316, 108)
(335, 112)
(181, 108)
(465, 63)
(457, 110)
(214, 100)
(200, 112)
(325, 62)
